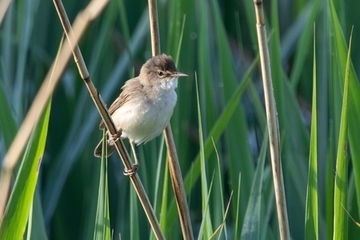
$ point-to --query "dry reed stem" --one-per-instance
(174, 166)
(272, 122)
(119, 145)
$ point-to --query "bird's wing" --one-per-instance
(123, 97)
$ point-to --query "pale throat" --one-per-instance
(169, 84)
(166, 90)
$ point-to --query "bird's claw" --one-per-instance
(114, 138)
(132, 171)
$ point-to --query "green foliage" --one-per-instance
(102, 222)
(219, 128)
(312, 197)
(21, 199)
(252, 221)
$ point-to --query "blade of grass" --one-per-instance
(7, 55)
(205, 215)
(214, 135)
(38, 230)
(134, 216)
(341, 177)
(9, 127)
(164, 203)
(222, 197)
(237, 130)
(304, 42)
(223, 226)
(102, 219)
(252, 221)
(329, 197)
(267, 208)
(27, 11)
(39, 102)
(7, 120)
(21, 198)
(325, 157)
(294, 135)
(207, 227)
(237, 229)
(312, 202)
(354, 135)
(354, 95)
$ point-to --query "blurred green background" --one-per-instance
(215, 43)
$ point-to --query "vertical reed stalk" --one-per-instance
(174, 166)
(272, 122)
(135, 180)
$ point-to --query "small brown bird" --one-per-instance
(145, 105)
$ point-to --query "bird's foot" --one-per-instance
(114, 138)
(132, 171)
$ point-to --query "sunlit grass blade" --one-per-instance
(22, 195)
(354, 138)
(237, 228)
(344, 65)
(205, 220)
(341, 177)
(164, 203)
(252, 221)
(312, 202)
(224, 213)
(222, 228)
(102, 229)
(206, 223)
(346, 68)
(340, 193)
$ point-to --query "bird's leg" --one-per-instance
(134, 153)
(130, 172)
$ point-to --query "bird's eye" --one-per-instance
(161, 73)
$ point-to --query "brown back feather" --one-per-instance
(123, 97)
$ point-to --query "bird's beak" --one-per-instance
(179, 74)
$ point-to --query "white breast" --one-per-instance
(142, 120)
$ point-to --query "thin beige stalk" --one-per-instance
(272, 122)
(174, 166)
(119, 145)
(4, 4)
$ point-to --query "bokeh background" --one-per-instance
(215, 43)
